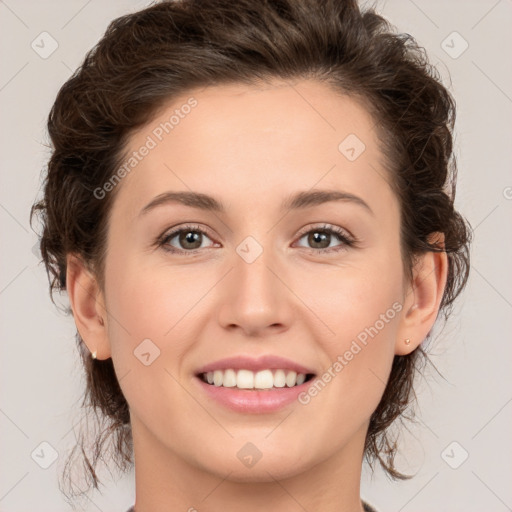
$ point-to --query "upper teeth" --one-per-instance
(246, 379)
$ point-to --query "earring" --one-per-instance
(407, 341)
(94, 354)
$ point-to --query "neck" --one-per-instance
(166, 480)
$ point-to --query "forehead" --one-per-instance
(259, 141)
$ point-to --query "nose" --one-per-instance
(256, 299)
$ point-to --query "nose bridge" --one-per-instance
(256, 297)
(253, 277)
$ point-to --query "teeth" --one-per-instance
(217, 378)
(291, 379)
(246, 379)
(264, 380)
(229, 379)
(279, 379)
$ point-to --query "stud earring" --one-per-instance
(407, 341)
(94, 354)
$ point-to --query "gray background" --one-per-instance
(471, 406)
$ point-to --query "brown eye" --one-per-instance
(320, 239)
(190, 239)
(186, 239)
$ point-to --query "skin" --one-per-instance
(250, 147)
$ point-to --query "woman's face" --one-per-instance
(252, 280)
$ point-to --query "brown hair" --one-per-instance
(147, 58)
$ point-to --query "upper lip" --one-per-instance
(242, 362)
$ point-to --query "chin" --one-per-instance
(271, 466)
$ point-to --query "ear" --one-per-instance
(423, 297)
(88, 305)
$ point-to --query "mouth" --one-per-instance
(256, 385)
(263, 380)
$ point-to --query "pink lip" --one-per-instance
(254, 364)
(253, 401)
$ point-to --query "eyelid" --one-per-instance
(346, 238)
(172, 232)
(327, 227)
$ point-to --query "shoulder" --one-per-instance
(366, 506)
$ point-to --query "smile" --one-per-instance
(261, 380)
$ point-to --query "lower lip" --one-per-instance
(253, 401)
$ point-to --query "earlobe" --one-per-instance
(88, 307)
(422, 301)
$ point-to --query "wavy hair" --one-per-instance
(147, 58)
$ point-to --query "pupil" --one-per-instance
(318, 234)
(190, 237)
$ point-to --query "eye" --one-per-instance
(190, 238)
(321, 237)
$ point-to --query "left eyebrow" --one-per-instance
(299, 200)
(310, 198)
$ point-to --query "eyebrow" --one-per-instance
(299, 200)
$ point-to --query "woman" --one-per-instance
(251, 208)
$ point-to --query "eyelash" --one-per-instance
(342, 235)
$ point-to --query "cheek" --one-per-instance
(157, 303)
(151, 311)
(356, 297)
(360, 308)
